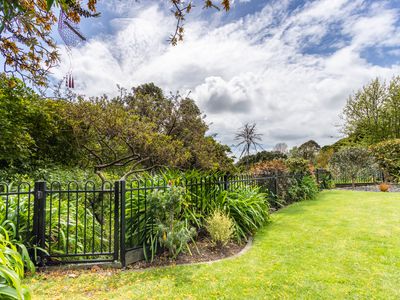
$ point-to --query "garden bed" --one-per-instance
(394, 188)
(205, 252)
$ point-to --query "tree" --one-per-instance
(324, 156)
(248, 138)
(351, 161)
(26, 43)
(281, 147)
(372, 114)
(260, 156)
(309, 150)
(387, 154)
(142, 130)
(31, 130)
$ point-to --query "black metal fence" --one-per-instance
(328, 179)
(90, 222)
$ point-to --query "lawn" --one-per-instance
(342, 245)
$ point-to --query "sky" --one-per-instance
(287, 65)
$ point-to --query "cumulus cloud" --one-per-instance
(254, 69)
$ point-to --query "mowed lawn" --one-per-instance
(343, 245)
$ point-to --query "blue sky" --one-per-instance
(287, 65)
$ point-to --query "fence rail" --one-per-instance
(89, 222)
(366, 178)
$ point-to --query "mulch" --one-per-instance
(204, 251)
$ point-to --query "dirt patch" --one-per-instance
(204, 252)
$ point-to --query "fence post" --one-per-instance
(122, 221)
(116, 220)
(39, 218)
(226, 182)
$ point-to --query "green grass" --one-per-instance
(343, 245)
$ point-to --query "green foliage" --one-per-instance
(136, 131)
(78, 222)
(308, 150)
(323, 157)
(325, 179)
(269, 168)
(372, 114)
(144, 129)
(176, 236)
(352, 162)
(14, 259)
(261, 156)
(305, 188)
(220, 227)
(387, 154)
(298, 165)
(32, 132)
(342, 236)
(248, 209)
(171, 233)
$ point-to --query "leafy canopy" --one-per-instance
(372, 114)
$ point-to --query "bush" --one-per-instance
(220, 228)
(269, 168)
(305, 189)
(387, 154)
(175, 237)
(248, 209)
(325, 179)
(353, 162)
(14, 259)
(172, 233)
(298, 165)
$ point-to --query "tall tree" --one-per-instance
(248, 138)
(142, 130)
(372, 114)
(31, 129)
(281, 147)
(351, 161)
(308, 150)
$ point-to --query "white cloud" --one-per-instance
(253, 69)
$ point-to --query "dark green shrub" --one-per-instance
(298, 165)
(305, 188)
(170, 232)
